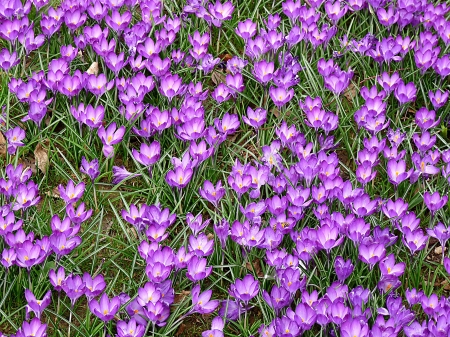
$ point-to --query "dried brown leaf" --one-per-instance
(351, 92)
(2, 145)
(181, 329)
(218, 77)
(28, 162)
(181, 296)
(255, 266)
(276, 112)
(41, 155)
(54, 193)
(93, 69)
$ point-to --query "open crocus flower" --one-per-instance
(14, 137)
(71, 193)
(202, 302)
(109, 137)
(34, 305)
(106, 308)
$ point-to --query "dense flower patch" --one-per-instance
(268, 169)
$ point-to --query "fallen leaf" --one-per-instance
(133, 232)
(41, 155)
(225, 57)
(438, 250)
(445, 284)
(28, 162)
(276, 112)
(210, 236)
(351, 92)
(93, 69)
(181, 296)
(54, 193)
(218, 77)
(2, 145)
(255, 266)
(181, 329)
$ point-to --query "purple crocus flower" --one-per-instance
(387, 17)
(220, 12)
(212, 193)
(34, 305)
(354, 327)
(91, 169)
(405, 93)
(438, 98)
(388, 267)
(202, 302)
(14, 137)
(397, 171)
(148, 155)
(280, 95)
(414, 240)
(343, 268)
(425, 119)
(8, 60)
(263, 71)
(222, 230)
(197, 270)
(335, 11)
(246, 29)
(171, 85)
(372, 253)
(118, 22)
(228, 125)
(74, 287)
(106, 308)
(33, 328)
(109, 137)
(74, 19)
(9, 257)
(245, 289)
(130, 329)
(57, 278)
(71, 193)
(179, 177)
(120, 174)
(441, 233)
(115, 62)
(94, 286)
(434, 202)
(328, 237)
